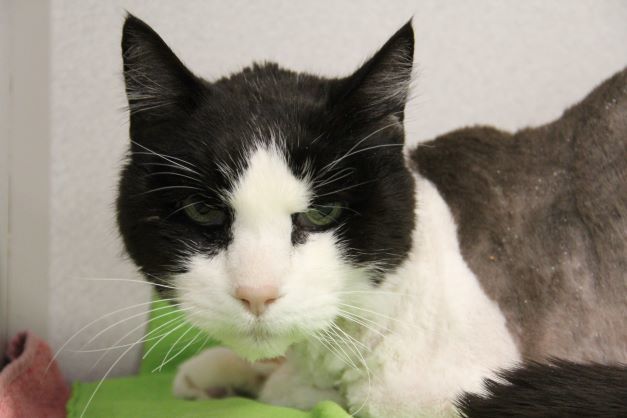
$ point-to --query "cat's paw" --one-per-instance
(217, 373)
(287, 386)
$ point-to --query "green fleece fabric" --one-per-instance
(149, 394)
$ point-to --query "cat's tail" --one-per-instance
(555, 389)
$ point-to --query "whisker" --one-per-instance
(380, 315)
(121, 321)
(142, 339)
(327, 344)
(56, 355)
(342, 207)
(182, 208)
(116, 279)
(162, 338)
(163, 362)
(336, 176)
(176, 167)
(172, 173)
(331, 340)
(107, 374)
(352, 341)
(158, 189)
(364, 322)
(168, 158)
(373, 292)
(198, 334)
(348, 153)
(188, 164)
(333, 336)
(346, 188)
(203, 345)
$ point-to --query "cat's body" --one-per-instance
(542, 221)
(282, 212)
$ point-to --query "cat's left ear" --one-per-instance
(380, 87)
(158, 86)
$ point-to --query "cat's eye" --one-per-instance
(320, 216)
(203, 214)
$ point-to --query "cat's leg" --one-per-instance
(287, 386)
(218, 373)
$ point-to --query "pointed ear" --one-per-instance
(380, 87)
(158, 85)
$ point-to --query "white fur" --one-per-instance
(431, 331)
(218, 368)
(445, 336)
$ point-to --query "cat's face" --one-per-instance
(264, 202)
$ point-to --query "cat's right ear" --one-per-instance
(158, 85)
(380, 87)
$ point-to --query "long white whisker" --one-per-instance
(143, 339)
(168, 158)
(348, 153)
(330, 336)
(379, 314)
(364, 322)
(158, 189)
(172, 173)
(338, 175)
(164, 361)
(162, 338)
(346, 188)
(107, 374)
(356, 350)
(121, 321)
(204, 343)
(120, 279)
(327, 344)
(198, 334)
(56, 355)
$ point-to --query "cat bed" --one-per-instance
(149, 394)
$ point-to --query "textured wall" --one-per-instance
(4, 169)
(505, 63)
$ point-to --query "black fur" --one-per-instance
(558, 389)
(196, 124)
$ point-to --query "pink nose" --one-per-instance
(257, 299)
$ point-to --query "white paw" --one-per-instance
(216, 373)
(288, 387)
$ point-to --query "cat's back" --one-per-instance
(542, 221)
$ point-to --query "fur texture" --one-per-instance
(542, 218)
(555, 390)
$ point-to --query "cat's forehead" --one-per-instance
(269, 92)
(266, 187)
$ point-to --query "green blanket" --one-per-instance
(149, 396)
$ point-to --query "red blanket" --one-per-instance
(30, 385)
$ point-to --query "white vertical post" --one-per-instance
(5, 81)
(29, 167)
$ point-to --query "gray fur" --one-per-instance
(542, 219)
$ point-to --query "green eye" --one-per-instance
(320, 216)
(201, 213)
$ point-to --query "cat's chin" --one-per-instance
(254, 349)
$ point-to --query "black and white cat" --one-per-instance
(280, 211)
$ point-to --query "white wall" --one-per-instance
(4, 169)
(511, 64)
(24, 167)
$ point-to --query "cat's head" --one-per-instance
(263, 202)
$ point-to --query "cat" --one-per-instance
(280, 212)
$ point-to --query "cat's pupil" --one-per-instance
(323, 211)
(202, 208)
